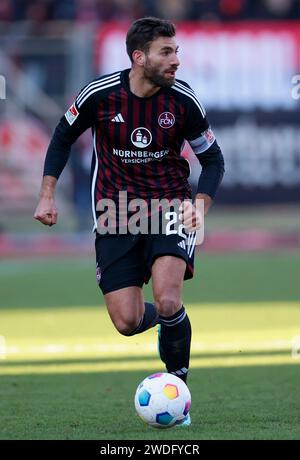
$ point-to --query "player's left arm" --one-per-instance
(203, 143)
(212, 163)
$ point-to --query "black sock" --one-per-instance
(175, 340)
(150, 319)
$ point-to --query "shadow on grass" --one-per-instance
(127, 358)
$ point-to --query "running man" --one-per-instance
(140, 118)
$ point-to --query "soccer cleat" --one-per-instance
(184, 422)
(159, 347)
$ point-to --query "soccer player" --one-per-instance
(140, 118)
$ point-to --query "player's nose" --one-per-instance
(175, 61)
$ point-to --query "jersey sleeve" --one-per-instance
(77, 119)
(202, 141)
(197, 128)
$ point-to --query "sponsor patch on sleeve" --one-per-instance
(203, 142)
(71, 114)
(209, 136)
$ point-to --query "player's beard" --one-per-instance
(155, 76)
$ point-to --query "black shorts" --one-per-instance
(126, 260)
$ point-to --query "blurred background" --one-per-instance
(239, 55)
(242, 57)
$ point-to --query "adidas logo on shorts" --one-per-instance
(182, 244)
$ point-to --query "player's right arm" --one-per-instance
(46, 211)
(76, 120)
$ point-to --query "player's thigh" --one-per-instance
(120, 270)
(125, 307)
(167, 282)
(119, 263)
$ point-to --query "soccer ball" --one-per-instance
(162, 399)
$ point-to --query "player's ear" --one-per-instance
(138, 57)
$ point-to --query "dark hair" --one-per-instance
(143, 31)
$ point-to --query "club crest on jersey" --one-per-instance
(141, 137)
(71, 114)
(166, 120)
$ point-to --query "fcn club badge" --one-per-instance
(166, 120)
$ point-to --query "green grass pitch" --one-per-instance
(65, 372)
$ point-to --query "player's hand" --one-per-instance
(191, 216)
(46, 211)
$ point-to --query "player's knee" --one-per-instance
(167, 305)
(126, 327)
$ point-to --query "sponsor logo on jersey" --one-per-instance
(166, 120)
(71, 114)
(139, 156)
(141, 137)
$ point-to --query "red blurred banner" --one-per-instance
(247, 75)
(243, 65)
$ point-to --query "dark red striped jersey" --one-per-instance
(138, 141)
